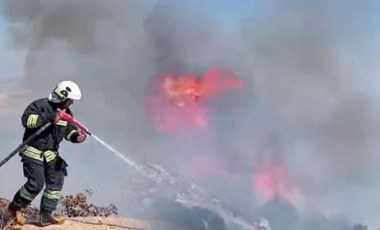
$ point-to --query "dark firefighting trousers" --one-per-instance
(52, 174)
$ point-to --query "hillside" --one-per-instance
(86, 216)
(105, 223)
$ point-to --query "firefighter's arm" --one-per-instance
(74, 134)
(33, 117)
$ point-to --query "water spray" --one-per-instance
(66, 117)
(146, 172)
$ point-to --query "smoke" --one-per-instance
(309, 58)
(307, 68)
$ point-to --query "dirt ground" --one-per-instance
(102, 223)
(87, 217)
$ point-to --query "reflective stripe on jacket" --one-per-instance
(37, 155)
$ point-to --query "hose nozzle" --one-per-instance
(66, 117)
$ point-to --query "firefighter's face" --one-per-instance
(68, 103)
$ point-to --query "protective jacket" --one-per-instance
(37, 114)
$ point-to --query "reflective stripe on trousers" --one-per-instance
(36, 154)
(26, 194)
(52, 195)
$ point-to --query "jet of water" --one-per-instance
(155, 172)
(116, 153)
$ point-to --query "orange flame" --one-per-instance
(271, 181)
(179, 101)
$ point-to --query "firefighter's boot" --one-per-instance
(17, 213)
(47, 218)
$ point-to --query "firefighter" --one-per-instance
(42, 163)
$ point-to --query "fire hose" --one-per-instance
(64, 116)
(27, 141)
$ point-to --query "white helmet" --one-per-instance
(65, 90)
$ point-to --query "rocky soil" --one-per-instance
(82, 216)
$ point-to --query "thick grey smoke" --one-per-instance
(307, 58)
(301, 63)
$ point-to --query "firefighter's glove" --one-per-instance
(80, 137)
